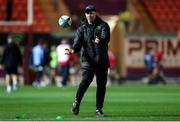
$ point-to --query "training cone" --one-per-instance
(21, 116)
(59, 118)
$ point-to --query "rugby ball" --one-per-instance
(65, 21)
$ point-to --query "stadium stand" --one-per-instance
(147, 18)
(53, 10)
(165, 14)
(40, 22)
(115, 6)
(2, 9)
(139, 13)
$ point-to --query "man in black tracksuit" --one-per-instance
(92, 40)
(11, 60)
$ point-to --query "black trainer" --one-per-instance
(99, 113)
(75, 108)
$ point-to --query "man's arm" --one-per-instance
(104, 36)
(77, 43)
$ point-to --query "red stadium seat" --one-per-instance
(40, 23)
(165, 13)
(2, 10)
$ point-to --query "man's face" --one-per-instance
(90, 16)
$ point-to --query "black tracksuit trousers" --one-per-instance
(101, 80)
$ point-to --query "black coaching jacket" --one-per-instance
(93, 55)
(11, 57)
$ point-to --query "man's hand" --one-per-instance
(69, 51)
(97, 40)
(1, 66)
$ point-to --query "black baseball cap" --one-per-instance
(89, 8)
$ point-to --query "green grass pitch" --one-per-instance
(124, 102)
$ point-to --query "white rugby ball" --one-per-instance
(65, 21)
